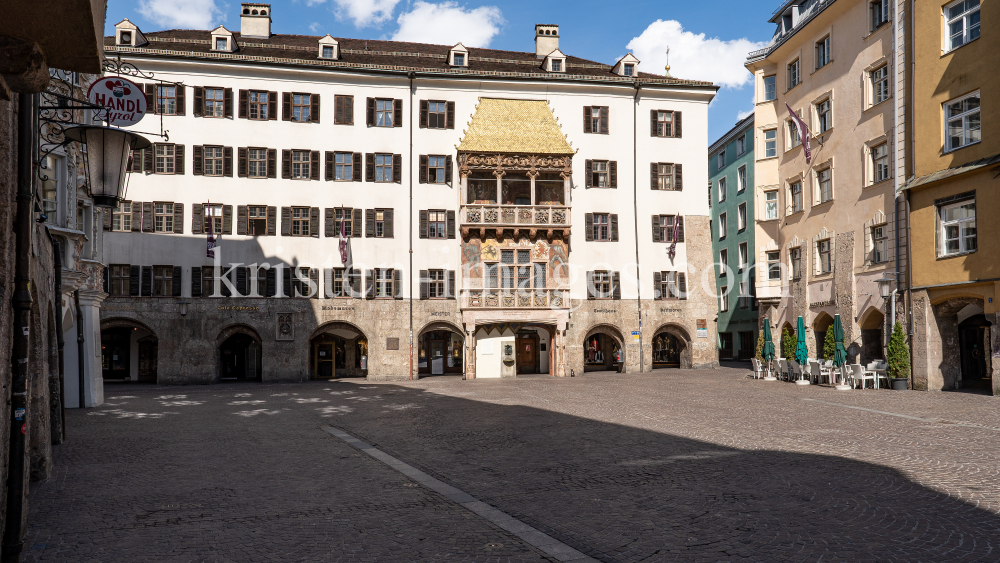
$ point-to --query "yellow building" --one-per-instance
(954, 112)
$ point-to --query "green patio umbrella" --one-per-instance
(839, 352)
(768, 344)
(801, 352)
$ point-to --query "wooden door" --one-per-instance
(147, 361)
(527, 354)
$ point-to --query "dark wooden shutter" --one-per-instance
(616, 283)
(286, 164)
(227, 161)
(423, 223)
(241, 281)
(614, 226)
(678, 177)
(450, 288)
(388, 220)
(397, 113)
(198, 105)
(356, 226)
(244, 104)
(450, 223)
(422, 174)
(136, 216)
(397, 284)
(286, 281)
(588, 172)
(653, 114)
(227, 219)
(286, 106)
(369, 284)
(147, 217)
(178, 159)
(369, 167)
(150, 91)
(242, 220)
(397, 168)
(586, 120)
(657, 284)
(270, 282)
(314, 222)
(196, 281)
(178, 218)
(423, 284)
(197, 221)
(369, 223)
(147, 160)
(447, 170)
(241, 165)
(134, 273)
(449, 121)
(286, 221)
(197, 160)
(588, 226)
(613, 173)
(147, 281)
(272, 106)
(227, 102)
(680, 228)
(656, 228)
(179, 100)
(677, 124)
(423, 113)
(314, 165)
(604, 120)
(175, 287)
(329, 165)
(272, 220)
(329, 221)
(272, 163)
(370, 112)
(338, 110)
(654, 171)
(356, 167)
(314, 108)
(314, 278)
(590, 286)
(682, 289)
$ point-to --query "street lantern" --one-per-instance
(108, 151)
(885, 287)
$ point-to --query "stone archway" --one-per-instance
(604, 349)
(955, 331)
(338, 349)
(671, 347)
(440, 350)
(239, 354)
(872, 323)
(822, 324)
(129, 351)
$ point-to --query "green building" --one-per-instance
(731, 189)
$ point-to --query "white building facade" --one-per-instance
(496, 204)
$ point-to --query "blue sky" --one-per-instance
(702, 44)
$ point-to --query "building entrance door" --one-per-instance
(116, 350)
(527, 353)
(437, 357)
(973, 334)
(240, 358)
(325, 360)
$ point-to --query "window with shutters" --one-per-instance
(602, 284)
(213, 161)
(596, 114)
(670, 288)
(436, 170)
(602, 226)
(300, 282)
(795, 196)
(961, 21)
(435, 284)
(256, 281)
(437, 114)
(770, 88)
(383, 283)
(379, 222)
(664, 123)
(121, 217)
(343, 163)
(166, 100)
(258, 105)
(163, 217)
(300, 221)
(665, 176)
(770, 143)
(383, 164)
(774, 265)
(600, 173)
(795, 259)
(741, 179)
(771, 205)
(344, 216)
(825, 256)
(880, 245)
(666, 228)
(163, 281)
(213, 218)
(256, 220)
(343, 110)
(208, 282)
(436, 224)
(300, 165)
(119, 282)
(300, 107)
(339, 283)
(383, 114)
(163, 159)
(214, 102)
(257, 163)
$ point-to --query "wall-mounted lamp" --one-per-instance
(183, 306)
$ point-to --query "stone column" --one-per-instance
(93, 377)
(470, 353)
(533, 200)
(350, 357)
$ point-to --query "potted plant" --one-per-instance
(828, 345)
(759, 352)
(788, 343)
(898, 368)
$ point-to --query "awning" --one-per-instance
(951, 172)
(514, 126)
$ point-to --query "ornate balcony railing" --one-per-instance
(512, 299)
(515, 215)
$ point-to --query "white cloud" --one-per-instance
(692, 56)
(448, 23)
(182, 14)
(314, 27)
(363, 12)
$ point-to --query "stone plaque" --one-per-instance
(285, 330)
(392, 344)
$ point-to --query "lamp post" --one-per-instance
(108, 151)
(887, 291)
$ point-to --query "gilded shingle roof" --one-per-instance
(514, 126)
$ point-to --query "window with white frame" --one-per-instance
(962, 127)
(723, 263)
(771, 205)
(383, 167)
(743, 256)
(163, 161)
(628, 70)
(880, 162)
(770, 87)
(301, 165)
(213, 218)
(880, 244)
(327, 51)
(221, 44)
(744, 298)
(770, 143)
(795, 196)
(879, 13)
(962, 22)
(343, 163)
(300, 222)
(722, 189)
(825, 256)
(958, 227)
(383, 113)
(600, 173)
(741, 179)
(121, 218)
(793, 135)
(722, 159)
(212, 161)
(214, 102)
(823, 52)
(724, 298)
(722, 226)
(741, 144)
(880, 84)
(824, 183)
(793, 76)
(741, 216)
(773, 265)
(795, 261)
(257, 163)
(163, 217)
(823, 117)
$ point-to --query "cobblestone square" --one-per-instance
(666, 466)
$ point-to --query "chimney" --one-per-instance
(546, 39)
(255, 21)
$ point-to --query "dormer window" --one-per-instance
(125, 38)
(459, 59)
(629, 69)
(329, 48)
(221, 44)
(458, 56)
(327, 51)
(556, 65)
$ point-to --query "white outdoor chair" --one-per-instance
(755, 368)
(861, 375)
(827, 370)
(815, 374)
(794, 370)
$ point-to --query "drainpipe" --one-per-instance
(635, 213)
(59, 436)
(13, 534)
(411, 75)
(79, 347)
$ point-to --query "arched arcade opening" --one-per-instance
(240, 354)
(129, 352)
(440, 350)
(338, 349)
(604, 350)
(671, 348)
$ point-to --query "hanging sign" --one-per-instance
(124, 101)
(635, 335)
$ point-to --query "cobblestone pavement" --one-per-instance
(669, 466)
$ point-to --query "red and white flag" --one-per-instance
(345, 244)
(803, 134)
(210, 243)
